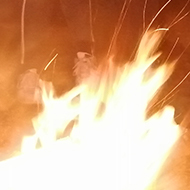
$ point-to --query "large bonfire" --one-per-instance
(112, 144)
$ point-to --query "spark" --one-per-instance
(156, 30)
(183, 51)
(50, 61)
(179, 20)
(91, 23)
(175, 44)
(174, 20)
(152, 21)
(165, 97)
(179, 84)
(170, 98)
(157, 14)
(22, 32)
(161, 29)
(178, 115)
(144, 14)
(119, 25)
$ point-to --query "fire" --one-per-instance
(112, 144)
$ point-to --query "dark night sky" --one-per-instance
(44, 21)
(45, 30)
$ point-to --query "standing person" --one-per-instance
(91, 24)
(83, 17)
(77, 14)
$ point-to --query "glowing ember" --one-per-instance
(112, 144)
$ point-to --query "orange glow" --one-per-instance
(112, 145)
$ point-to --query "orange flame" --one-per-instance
(112, 144)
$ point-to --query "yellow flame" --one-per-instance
(112, 144)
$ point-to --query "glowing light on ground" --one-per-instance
(112, 145)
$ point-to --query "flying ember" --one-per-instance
(112, 144)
